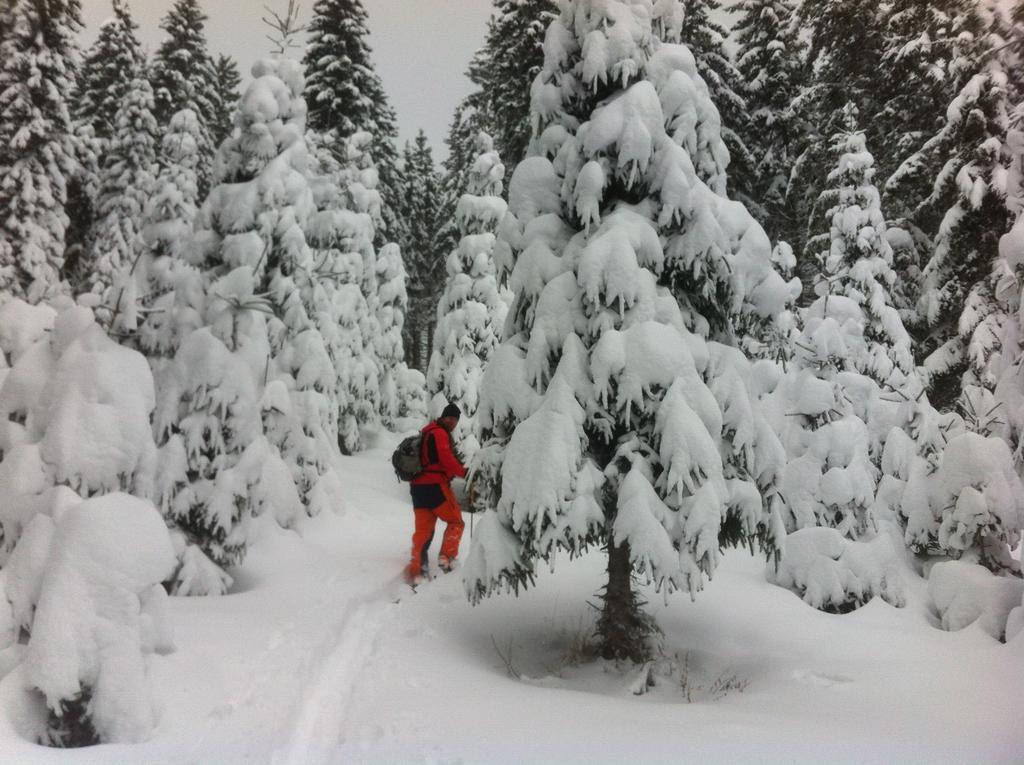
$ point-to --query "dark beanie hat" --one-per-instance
(451, 411)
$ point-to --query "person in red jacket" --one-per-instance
(432, 497)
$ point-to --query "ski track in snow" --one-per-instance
(320, 721)
(318, 726)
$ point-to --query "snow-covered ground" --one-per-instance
(321, 655)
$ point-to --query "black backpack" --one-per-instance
(406, 458)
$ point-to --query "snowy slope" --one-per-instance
(322, 656)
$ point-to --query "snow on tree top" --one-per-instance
(535, 189)
(540, 463)
(608, 263)
(641, 357)
(627, 123)
(505, 393)
(21, 325)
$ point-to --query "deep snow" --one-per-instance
(321, 655)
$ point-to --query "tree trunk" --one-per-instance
(424, 349)
(623, 630)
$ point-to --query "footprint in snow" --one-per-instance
(821, 679)
(277, 638)
(221, 712)
(370, 737)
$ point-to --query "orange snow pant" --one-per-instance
(449, 512)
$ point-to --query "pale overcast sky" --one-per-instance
(420, 47)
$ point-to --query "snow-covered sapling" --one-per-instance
(602, 412)
(472, 309)
(99, 607)
(74, 412)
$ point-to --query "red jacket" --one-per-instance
(440, 464)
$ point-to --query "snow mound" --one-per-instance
(74, 412)
(21, 325)
(94, 580)
(833, 574)
(963, 593)
(973, 503)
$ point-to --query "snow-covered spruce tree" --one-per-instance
(340, 237)
(37, 146)
(423, 263)
(104, 77)
(171, 301)
(504, 69)
(359, 179)
(399, 396)
(82, 194)
(846, 45)
(720, 272)
(770, 62)
(845, 48)
(848, 383)
(242, 429)
(391, 179)
(961, 498)
(471, 312)
(360, 315)
(72, 573)
(227, 79)
(1014, 60)
(1004, 362)
(820, 406)
(829, 406)
(1017, 22)
(958, 493)
(183, 77)
(1015, 179)
(107, 71)
(208, 426)
(345, 95)
(461, 144)
(126, 183)
(413, 406)
(706, 40)
(94, 569)
(403, 391)
(599, 426)
(172, 291)
(931, 49)
(1017, 17)
(990, 326)
(1003, 23)
(338, 66)
(964, 502)
(391, 303)
(298, 403)
(85, 431)
(855, 258)
(970, 194)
